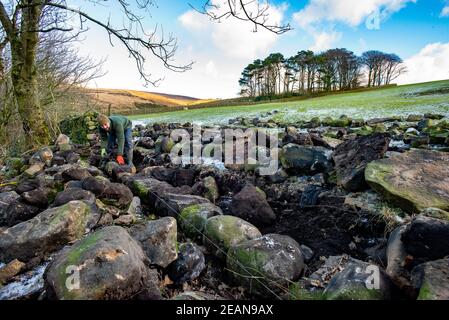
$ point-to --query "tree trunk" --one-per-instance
(24, 78)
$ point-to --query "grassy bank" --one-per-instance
(400, 100)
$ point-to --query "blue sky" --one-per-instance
(416, 30)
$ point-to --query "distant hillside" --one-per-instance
(135, 101)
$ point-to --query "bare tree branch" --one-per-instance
(258, 14)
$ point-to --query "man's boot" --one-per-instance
(129, 159)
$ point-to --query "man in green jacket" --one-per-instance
(116, 129)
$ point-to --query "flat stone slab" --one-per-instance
(413, 181)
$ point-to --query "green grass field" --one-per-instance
(402, 100)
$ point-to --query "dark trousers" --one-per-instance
(128, 147)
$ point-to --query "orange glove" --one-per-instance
(120, 160)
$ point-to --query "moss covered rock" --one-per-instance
(223, 232)
(265, 265)
(158, 239)
(413, 181)
(210, 189)
(77, 126)
(358, 280)
(431, 279)
(192, 219)
(47, 232)
(107, 264)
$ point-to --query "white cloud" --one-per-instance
(324, 40)
(350, 12)
(445, 12)
(193, 21)
(211, 69)
(429, 64)
(233, 37)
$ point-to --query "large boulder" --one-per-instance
(192, 219)
(115, 194)
(352, 157)
(189, 265)
(158, 239)
(251, 205)
(47, 232)
(223, 232)
(432, 280)
(267, 264)
(303, 159)
(414, 180)
(106, 265)
(426, 238)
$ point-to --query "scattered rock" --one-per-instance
(158, 239)
(44, 155)
(397, 261)
(111, 193)
(10, 270)
(75, 173)
(303, 159)
(251, 205)
(62, 139)
(189, 265)
(358, 280)
(265, 265)
(112, 265)
(307, 253)
(125, 220)
(40, 197)
(34, 169)
(223, 232)
(72, 157)
(171, 204)
(192, 219)
(6, 198)
(135, 207)
(71, 194)
(184, 177)
(17, 212)
(413, 180)
(432, 280)
(149, 189)
(426, 238)
(208, 188)
(352, 157)
(48, 231)
(435, 213)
